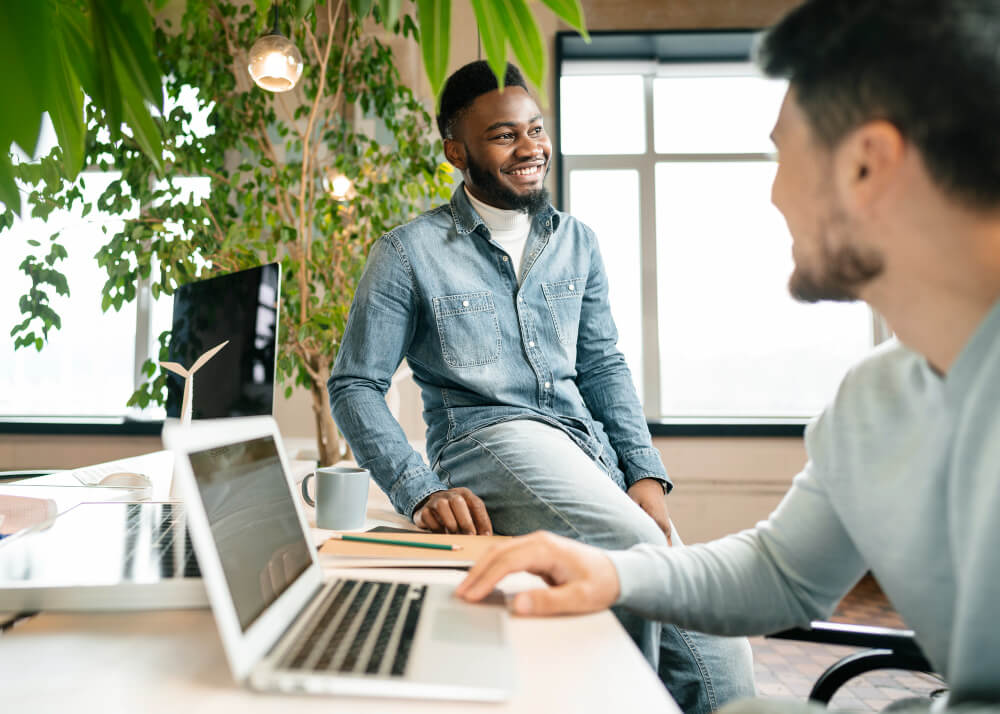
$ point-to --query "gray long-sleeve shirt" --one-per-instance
(903, 479)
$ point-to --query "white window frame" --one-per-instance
(635, 60)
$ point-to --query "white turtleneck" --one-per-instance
(508, 228)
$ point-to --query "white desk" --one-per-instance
(172, 661)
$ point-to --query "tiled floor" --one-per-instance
(787, 669)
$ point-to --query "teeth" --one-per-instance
(527, 171)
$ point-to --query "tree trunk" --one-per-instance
(328, 443)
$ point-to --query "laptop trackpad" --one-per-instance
(470, 626)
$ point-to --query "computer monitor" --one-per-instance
(241, 307)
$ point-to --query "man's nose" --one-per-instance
(528, 146)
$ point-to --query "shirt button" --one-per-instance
(465, 303)
(531, 343)
(572, 287)
(505, 259)
(548, 384)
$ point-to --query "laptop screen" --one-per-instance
(253, 521)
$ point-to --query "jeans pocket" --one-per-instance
(564, 299)
(468, 328)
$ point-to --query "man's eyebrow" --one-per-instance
(511, 124)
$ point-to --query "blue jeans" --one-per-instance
(533, 477)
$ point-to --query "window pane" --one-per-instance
(602, 114)
(732, 341)
(694, 115)
(87, 366)
(608, 202)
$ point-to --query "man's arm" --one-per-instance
(379, 329)
(974, 540)
(789, 570)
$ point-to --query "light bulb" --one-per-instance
(275, 63)
(340, 187)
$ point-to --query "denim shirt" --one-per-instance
(485, 348)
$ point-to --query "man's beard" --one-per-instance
(496, 194)
(846, 266)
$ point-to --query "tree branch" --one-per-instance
(304, 237)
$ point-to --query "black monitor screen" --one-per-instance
(242, 308)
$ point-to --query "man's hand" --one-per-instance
(457, 510)
(648, 493)
(582, 577)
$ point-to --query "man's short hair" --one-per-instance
(930, 67)
(465, 85)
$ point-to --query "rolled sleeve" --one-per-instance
(413, 487)
(643, 463)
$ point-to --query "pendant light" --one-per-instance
(275, 61)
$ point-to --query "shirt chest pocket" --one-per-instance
(468, 328)
(564, 299)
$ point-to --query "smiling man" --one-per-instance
(889, 179)
(499, 303)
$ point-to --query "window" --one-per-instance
(89, 368)
(672, 168)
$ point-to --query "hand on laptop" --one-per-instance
(457, 510)
(582, 578)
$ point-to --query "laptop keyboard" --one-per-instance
(169, 543)
(362, 627)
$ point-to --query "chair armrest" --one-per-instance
(885, 648)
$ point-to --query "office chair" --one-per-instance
(885, 648)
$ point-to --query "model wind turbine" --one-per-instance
(188, 375)
(188, 401)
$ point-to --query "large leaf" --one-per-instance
(144, 129)
(361, 8)
(107, 93)
(526, 42)
(9, 195)
(25, 44)
(493, 34)
(390, 10)
(302, 7)
(434, 17)
(264, 15)
(571, 13)
(75, 36)
(131, 43)
(65, 105)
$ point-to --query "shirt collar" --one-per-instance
(467, 220)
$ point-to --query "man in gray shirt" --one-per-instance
(889, 179)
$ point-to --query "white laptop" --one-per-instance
(286, 629)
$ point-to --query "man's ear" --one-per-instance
(454, 151)
(869, 162)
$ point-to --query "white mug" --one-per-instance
(341, 497)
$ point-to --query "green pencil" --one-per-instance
(388, 541)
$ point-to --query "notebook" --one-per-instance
(351, 554)
(282, 626)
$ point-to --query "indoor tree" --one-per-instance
(270, 160)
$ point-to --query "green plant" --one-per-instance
(267, 158)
